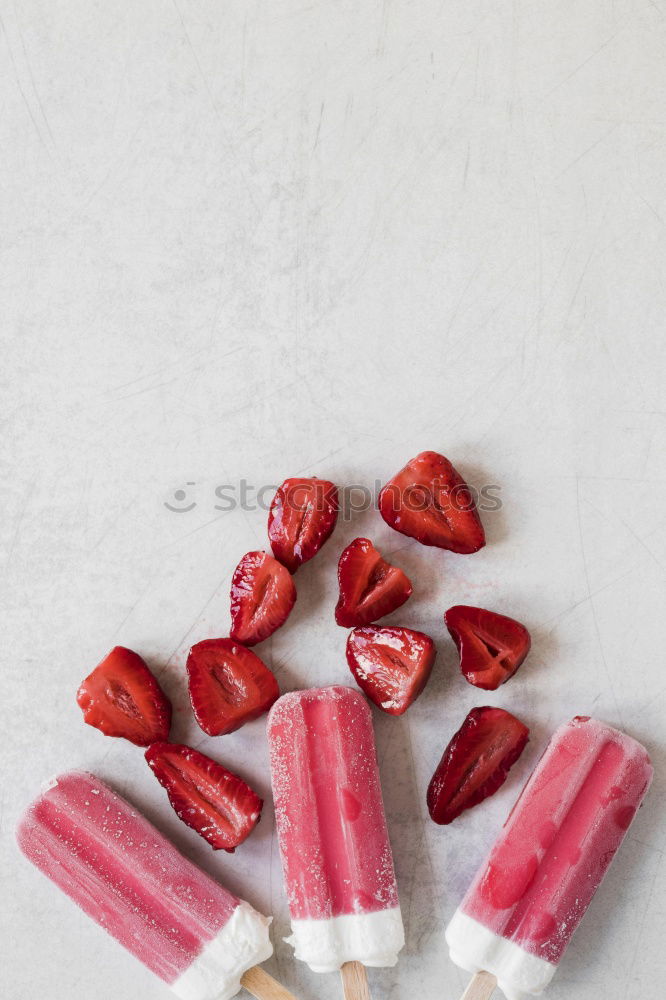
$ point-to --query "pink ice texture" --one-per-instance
(330, 818)
(560, 837)
(123, 873)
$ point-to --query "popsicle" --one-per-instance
(526, 901)
(336, 855)
(190, 931)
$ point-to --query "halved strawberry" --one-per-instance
(369, 586)
(219, 805)
(491, 646)
(430, 501)
(229, 685)
(302, 517)
(122, 698)
(262, 595)
(476, 762)
(391, 664)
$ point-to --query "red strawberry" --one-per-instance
(491, 646)
(219, 805)
(302, 517)
(229, 685)
(369, 586)
(430, 501)
(122, 698)
(262, 595)
(476, 762)
(391, 664)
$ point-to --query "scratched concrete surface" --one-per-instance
(251, 240)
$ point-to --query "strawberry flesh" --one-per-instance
(122, 698)
(491, 646)
(229, 685)
(219, 805)
(476, 762)
(262, 596)
(369, 586)
(302, 517)
(430, 501)
(390, 664)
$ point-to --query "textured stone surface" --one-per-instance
(250, 241)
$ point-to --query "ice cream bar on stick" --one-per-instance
(190, 931)
(521, 910)
(336, 855)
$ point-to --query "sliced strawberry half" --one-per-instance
(476, 762)
(122, 698)
(369, 586)
(229, 685)
(430, 501)
(262, 595)
(491, 646)
(302, 517)
(219, 805)
(391, 664)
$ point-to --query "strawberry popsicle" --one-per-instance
(191, 932)
(553, 851)
(336, 856)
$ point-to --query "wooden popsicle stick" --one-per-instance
(481, 987)
(354, 982)
(264, 987)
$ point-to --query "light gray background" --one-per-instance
(264, 239)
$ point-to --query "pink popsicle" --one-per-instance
(188, 929)
(336, 855)
(527, 899)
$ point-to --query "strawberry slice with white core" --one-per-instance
(391, 664)
(122, 698)
(370, 587)
(430, 501)
(217, 804)
(302, 517)
(262, 596)
(491, 646)
(229, 685)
